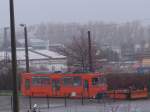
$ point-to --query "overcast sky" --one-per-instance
(37, 11)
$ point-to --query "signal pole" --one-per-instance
(90, 52)
(13, 57)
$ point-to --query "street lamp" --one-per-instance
(13, 57)
(26, 46)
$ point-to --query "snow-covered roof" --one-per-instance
(33, 41)
(21, 55)
(36, 40)
(41, 54)
(50, 53)
(32, 56)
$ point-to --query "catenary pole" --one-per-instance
(90, 52)
(26, 47)
(13, 56)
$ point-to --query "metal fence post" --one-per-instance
(65, 101)
(48, 101)
(82, 100)
(11, 102)
(30, 102)
(114, 95)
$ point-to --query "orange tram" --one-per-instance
(88, 85)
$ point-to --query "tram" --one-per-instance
(88, 85)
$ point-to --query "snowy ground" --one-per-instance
(74, 105)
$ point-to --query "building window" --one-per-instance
(53, 68)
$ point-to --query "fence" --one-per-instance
(65, 104)
(49, 104)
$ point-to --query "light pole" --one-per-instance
(13, 57)
(5, 44)
(26, 46)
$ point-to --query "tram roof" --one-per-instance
(62, 74)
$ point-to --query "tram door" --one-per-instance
(86, 88)
(56, 87)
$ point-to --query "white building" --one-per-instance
(39, 59)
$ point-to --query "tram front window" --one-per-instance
(98, 81)
(94, 81)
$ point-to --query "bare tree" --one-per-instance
(77, 52)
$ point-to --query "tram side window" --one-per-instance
(76, 81)
(95, 81)
(67, 81)
(27, 84)
(40, 80)
(56, 84)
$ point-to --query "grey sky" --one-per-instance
(37, 11)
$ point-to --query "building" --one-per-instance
(35, 43)
(56, 62)
(39, 59)
(39, 44)
(127, 51)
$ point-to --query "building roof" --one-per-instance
(38, 54)
(21, 55)
(50, 54)
(32, 56)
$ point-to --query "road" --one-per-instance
(75, 105)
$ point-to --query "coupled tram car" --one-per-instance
(89, 85)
